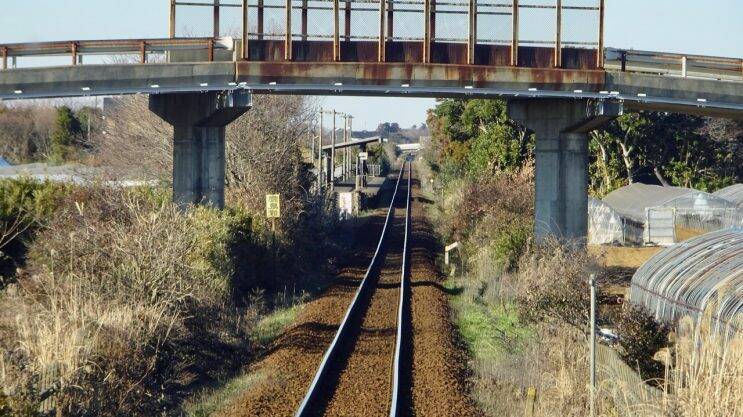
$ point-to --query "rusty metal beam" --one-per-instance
(393, 74)
(600, 53)
(472, 36)
(171, 20)
(382, 54)
(558, 34)
(288, 37)
(244, 51)
(515, 34)
(210, 52)
(216, 18)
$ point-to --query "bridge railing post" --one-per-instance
(347, 23)
(171, 20)
(5, 57)
(216, 19)
(381, 55)
(261, 12)
(288, 38)
(143, 52)
(73, 51)
(558, 34)
(600, 52)
(305, 14)
(336, 31)
(427, 31)
(472, 38)
(245, 53)
(515, 33)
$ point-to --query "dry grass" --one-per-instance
(625, 257)
(703, 376)
(112, 304)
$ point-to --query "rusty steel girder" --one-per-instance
(432, 75)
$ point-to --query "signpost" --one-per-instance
(273, 208)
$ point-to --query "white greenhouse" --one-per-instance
(607, 227)
(667, 213)
(704, 274)
(734, 193)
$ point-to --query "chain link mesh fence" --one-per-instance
(578, 21)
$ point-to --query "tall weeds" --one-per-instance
(119, 288)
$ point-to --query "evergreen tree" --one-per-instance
(66, 131)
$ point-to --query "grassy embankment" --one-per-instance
(522, 311)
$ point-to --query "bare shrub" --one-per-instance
(264, 155)
(554, 285)
(125, 295)
(25, 133)
(641, 338)
(134, 140)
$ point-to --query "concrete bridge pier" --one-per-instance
(199, 121)
(561, 127)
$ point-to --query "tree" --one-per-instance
(478, 136)
(66, 131)
(668, 149)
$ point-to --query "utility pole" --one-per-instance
(346, 154)
(332, 155)
(350, 138)
(320, 167)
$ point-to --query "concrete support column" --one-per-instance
(561, 128)
(199, 121)
(198, 165)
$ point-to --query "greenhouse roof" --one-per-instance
(689, 278)
(733, 193)
(632, 201)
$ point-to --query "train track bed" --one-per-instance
(372, 367)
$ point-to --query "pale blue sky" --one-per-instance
(710, 27)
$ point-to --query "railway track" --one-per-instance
(361, 372)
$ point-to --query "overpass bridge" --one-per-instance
(547, 57)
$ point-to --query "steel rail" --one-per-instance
(396, 404)
(331, 354)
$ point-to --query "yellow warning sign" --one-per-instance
(273, 206)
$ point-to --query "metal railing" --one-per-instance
(140, 49)
(470, 22)
(678, 65)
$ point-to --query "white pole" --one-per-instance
(592, 283)
(320, 168)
